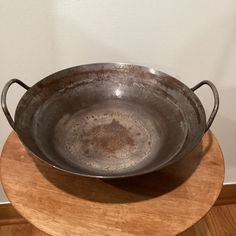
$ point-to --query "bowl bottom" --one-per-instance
(109, 137)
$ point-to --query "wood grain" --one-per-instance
(161, 203)
(8, 215)
(211, 225)
(201, 228)
(220, 221)
(20, 230)
(227, 195)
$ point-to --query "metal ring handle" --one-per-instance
(216, 100)
(3, 99)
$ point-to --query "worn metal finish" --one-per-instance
(216, 100)
(110, 120)
(4, 96)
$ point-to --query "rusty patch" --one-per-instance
(110, 137)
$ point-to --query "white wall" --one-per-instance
(192, 40)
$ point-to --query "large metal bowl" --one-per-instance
(109, 120)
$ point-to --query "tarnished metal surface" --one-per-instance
(109, 120)
(111, 137)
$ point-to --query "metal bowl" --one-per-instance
(109, 120)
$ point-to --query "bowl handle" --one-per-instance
(3, 99)
(216, 100)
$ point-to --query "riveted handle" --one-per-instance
(3, 99)
(216, 100)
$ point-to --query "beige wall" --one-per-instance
(193, 40)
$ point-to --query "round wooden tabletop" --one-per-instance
(166, 202)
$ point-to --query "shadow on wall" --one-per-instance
(211, 54)
(225, 130)
(224, 125)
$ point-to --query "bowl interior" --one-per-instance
(111, 136)
(107, 122)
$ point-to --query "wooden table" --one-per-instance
(161, 203)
